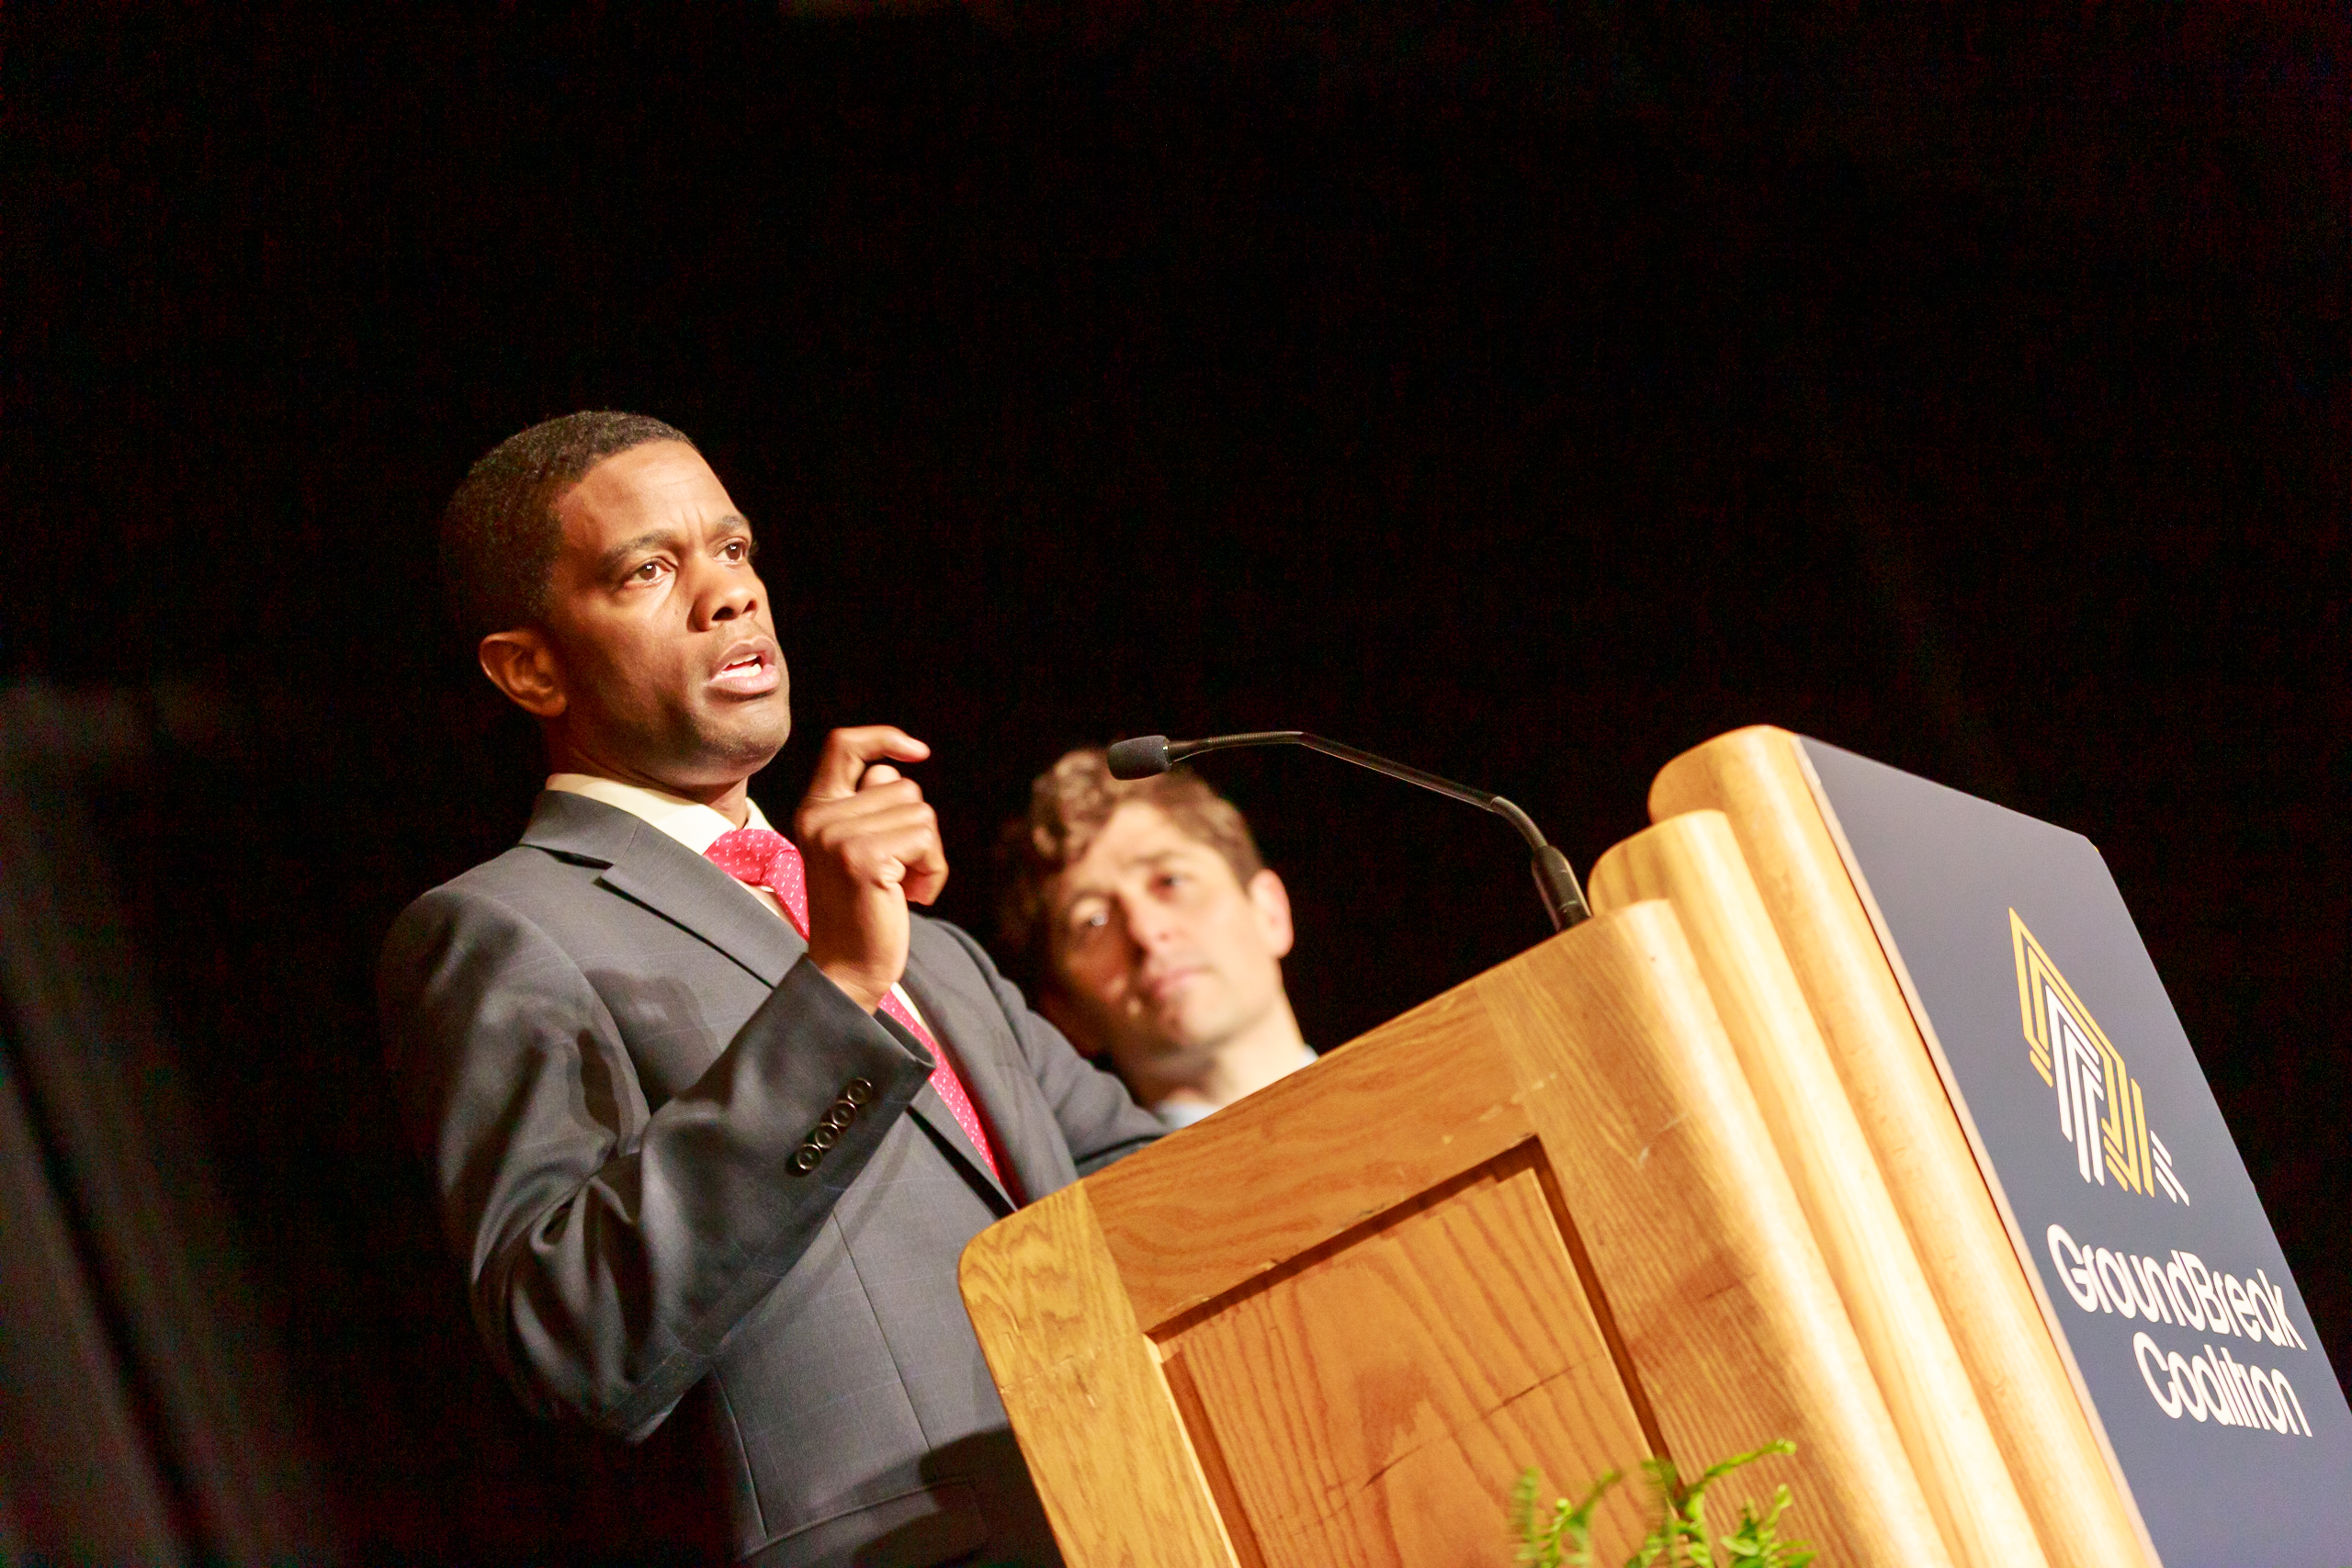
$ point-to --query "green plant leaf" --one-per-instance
(1565, 1541)
(1681, 1539)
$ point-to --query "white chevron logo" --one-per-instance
(2101, 1110)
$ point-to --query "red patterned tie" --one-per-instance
(765, 857)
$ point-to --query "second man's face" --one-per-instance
(671, 669)
(1157, 946)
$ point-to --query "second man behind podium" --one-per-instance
(1153, 933)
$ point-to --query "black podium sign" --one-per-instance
(2112, 1166)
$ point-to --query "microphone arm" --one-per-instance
(1554, 879)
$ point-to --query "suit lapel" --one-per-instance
(931, 1112)
(1004, 1109)
(647, 866)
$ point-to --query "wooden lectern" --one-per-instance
(1677, 1182)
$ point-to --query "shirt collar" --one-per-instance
(690, 822)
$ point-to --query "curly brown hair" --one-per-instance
(1069, 804)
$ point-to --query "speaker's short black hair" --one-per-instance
(500, 535)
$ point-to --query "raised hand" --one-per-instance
(870, 843)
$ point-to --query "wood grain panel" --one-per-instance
(1702, 1251)
(1415, 1102)
(1373, 1407)
(1693, 862)
(2055, 1458)
(1121, 1485)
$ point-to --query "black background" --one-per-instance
(1526, 393)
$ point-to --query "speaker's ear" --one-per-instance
(522, 663)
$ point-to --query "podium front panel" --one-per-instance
(1537, 1222)
(1359, 1405)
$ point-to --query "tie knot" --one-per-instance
(764, 858)
(747, 853)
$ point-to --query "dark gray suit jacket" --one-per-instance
(619, 1064)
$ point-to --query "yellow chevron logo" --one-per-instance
(2101, 1108)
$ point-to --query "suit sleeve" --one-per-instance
(608, 1250)
(1099, 1118)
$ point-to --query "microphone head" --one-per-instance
(1139, 758)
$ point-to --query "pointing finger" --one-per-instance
(848, 751)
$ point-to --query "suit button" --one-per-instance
(840, 1116)
(824, 1135)
(804, 1158)
(858, 1092)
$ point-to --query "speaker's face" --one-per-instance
(662, 644)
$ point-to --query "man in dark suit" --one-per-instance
(706, 1116)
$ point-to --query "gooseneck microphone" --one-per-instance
(1554, 879)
